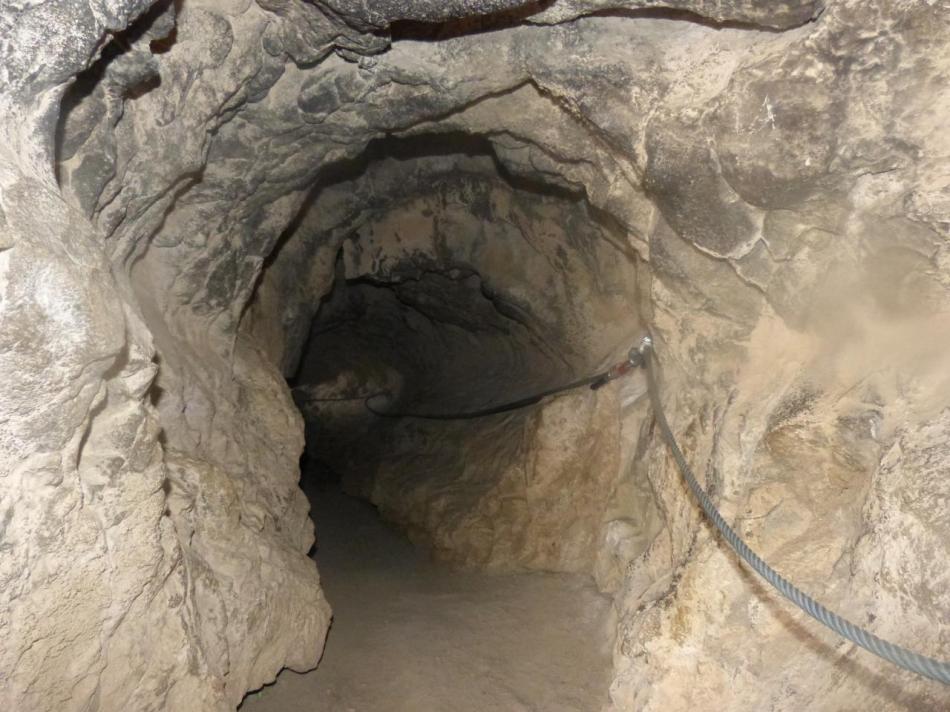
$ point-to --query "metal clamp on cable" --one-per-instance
(635, 359)
(644, 347)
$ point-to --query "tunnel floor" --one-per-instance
(412, 635)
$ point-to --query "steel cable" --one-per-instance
(597, 381)
(921, 664)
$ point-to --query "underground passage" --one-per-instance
(414, 356)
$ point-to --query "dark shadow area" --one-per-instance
(419, 31)
(478, 24)
(680, 15)
(433, 330)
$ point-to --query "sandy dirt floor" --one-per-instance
(411, 635)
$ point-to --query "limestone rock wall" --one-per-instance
(91, 568)
(779, 171)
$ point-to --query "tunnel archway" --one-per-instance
(457, 287)
(200, 200)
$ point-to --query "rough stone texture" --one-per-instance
(784, 192)
(498, 501)
(90, 567)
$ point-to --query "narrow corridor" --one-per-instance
(411, 635)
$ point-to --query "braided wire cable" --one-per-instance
(922, 665)
(483, 412)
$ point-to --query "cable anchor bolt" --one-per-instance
(636, 358)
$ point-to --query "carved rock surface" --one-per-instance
(492, 196)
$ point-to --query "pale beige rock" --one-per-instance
(771, 204)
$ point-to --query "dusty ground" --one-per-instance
(411, 635)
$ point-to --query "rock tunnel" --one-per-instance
(243, 243)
